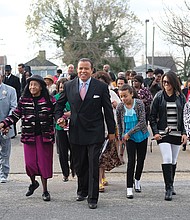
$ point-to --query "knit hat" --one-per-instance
(139, 78)
(36, 78)
(49, 77)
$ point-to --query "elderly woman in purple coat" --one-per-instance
(35, 109)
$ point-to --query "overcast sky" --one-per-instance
(16, 44)
(153, 10)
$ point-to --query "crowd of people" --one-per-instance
(81, 112)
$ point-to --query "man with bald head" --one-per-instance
(70, 73)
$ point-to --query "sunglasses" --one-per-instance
(166, 82)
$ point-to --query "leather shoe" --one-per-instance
(65, 179)
(92, 205)
(80, 198)
(73, 173)
(32, 188)
(46, 196)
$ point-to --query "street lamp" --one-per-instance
(146, 21)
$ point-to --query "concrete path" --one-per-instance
(149, 204)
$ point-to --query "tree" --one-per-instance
(175, 28)
(94, 29)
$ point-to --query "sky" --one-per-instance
(14, 41)
(18, 46)
(153, 10)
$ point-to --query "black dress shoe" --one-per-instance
(31, 188)
(46, 196)
(65, 179)
(73, 173)
(92, 205)
(174, 193)
(80, 198)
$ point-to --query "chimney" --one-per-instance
(42, 55)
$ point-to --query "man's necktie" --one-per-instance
(83, 91)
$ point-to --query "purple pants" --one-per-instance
(39, 158)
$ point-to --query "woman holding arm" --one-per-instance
(35, 109)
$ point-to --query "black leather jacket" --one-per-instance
(158, 113)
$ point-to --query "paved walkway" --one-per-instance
(148, 205)
(152, 163)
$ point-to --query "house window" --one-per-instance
(43, 73)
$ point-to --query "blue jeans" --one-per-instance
(5, 150)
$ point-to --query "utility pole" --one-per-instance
(153, 47)
(146, 21)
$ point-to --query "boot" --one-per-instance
(184, 147)
(173, 175)
(167, 173)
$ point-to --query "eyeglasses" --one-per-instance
(166, 82)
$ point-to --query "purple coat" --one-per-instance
(26, 112)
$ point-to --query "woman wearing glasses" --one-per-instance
(167, 114)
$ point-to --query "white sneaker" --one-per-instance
(3, 180)
(137, 186)
(130, 193)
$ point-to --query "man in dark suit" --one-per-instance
(86, 131)
(13, 81)
(149, 78)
